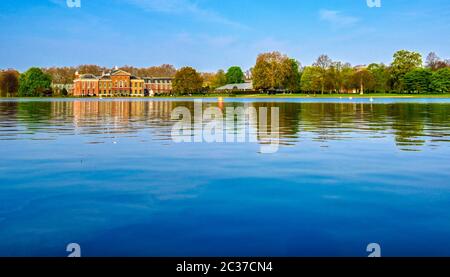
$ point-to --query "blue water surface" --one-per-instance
(107, 175)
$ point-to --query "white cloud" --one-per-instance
(337, 18)
(181, 7)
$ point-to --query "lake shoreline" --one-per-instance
(256, 96)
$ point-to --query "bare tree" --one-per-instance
(434, 62)
(323, 63)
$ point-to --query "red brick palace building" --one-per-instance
(119, 83)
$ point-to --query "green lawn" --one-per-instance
(374, 95)
(371, 95)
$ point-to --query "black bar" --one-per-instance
(225, 266)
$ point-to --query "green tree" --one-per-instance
(275, 71)
(267, 73)
(363, 79)
(220, 79)
(235, 75)
(187, 81)
(347, 73)
(291, 74)
(323, 63)
(380, 75)
(418, 80)
(264, 72)
(404, 62)
(310, 80)
(9, 82)
(440, 81)
(34, 82)
(337, 75)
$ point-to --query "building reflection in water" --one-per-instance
(411, 124)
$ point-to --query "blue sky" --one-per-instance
(214, 34)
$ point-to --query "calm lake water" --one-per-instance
(107, 175)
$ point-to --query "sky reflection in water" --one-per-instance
(106, 174)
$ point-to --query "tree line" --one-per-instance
(66, 75)
(273, 72)
(36, 82)
(406, 74)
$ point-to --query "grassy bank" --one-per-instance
(372, 95)
(375, 95)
